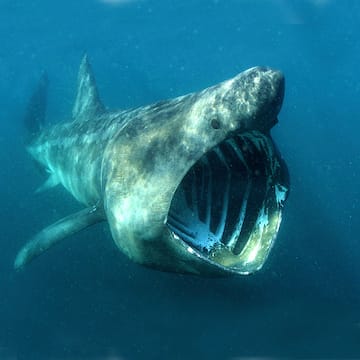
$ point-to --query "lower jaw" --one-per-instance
(228, 206)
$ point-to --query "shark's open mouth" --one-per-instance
(228, 206)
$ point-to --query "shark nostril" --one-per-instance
(215, 124)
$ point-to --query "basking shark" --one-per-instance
(193, 184)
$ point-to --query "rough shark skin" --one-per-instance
(193, 184)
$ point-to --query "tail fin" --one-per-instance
(35, 113)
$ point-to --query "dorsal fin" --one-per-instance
(87, 103)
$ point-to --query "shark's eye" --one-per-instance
(215, 123)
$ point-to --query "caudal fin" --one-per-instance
(34, 119)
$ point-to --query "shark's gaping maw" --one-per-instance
(193, 184)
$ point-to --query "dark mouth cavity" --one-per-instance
(218, 202)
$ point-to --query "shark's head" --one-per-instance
(196, 184)
(251, 100)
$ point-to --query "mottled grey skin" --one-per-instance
(126, 165)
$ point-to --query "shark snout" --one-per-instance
(269, 89)
(278, 81)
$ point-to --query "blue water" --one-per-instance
(84, 299)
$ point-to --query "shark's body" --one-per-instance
(192, 184)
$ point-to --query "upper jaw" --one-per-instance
(261, 92)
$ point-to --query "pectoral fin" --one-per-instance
(54, 233)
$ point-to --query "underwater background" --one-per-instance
(83, 299)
